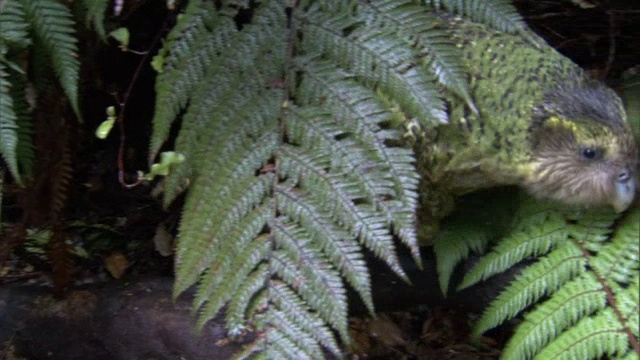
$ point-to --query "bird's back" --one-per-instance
(508, 75)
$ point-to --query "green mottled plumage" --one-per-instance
(518, 87)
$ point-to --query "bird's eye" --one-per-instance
(589, 153)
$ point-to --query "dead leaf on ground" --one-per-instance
(116, 264)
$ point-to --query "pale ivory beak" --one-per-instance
(624, 194)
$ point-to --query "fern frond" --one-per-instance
(53, 27)
(318, 284)
(537, 229)
(229, 206)
(298, 312)
(419, 29)
(578, 298)
(242, 194)
(471, 229)
(617, 260)
(15, 29)
(307, 347)
(377, 58)
(95, 15)
(195, 43)
(8, 126)
(454, 243)
(500, 14)
(246, 232)
(540, 279)
(319, 132)
(586, 290)
(591, 338)
(25, 151)
(228, 96)
(243, 265)
(361, 113)
(342, 253)
(287, 187)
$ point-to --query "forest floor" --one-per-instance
(118, 302)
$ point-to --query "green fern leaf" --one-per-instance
(537, 229)
(229, 207)
(377, 58)
(298, 313)
(14, 30)
(500, 14)
(95, 15)
(540, 279)
(343, 254)
(8, 126)
(319, 131)
(229, 98)
(454, 243)
(247, 231)
(302, 224)
(575, 300)
(195, 43)
(53, 27)
(590, 283)
(419, 30)
(362, 113)
(592, 338)
(617, 260)
(471, 229)
(25, 152)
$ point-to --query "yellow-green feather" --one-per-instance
(508, 76)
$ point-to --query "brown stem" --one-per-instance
(123, 104)
(614, 305)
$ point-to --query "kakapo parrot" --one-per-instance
(540, 122)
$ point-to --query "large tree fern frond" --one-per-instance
(360, 112)
(53, 27)
(540, 279)
(341, 191)
(294, 169)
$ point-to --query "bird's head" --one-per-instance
(583, 151)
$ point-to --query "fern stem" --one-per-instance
(284, 111)
(611, 299)
(123, 104)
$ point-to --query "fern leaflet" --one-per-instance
(8, 127)
(95, 15)
(53, 27)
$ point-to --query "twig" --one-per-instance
(123, 104)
